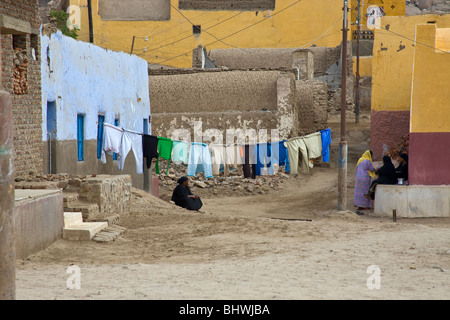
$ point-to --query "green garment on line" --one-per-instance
(165, 146)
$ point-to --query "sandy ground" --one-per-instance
(288, 244)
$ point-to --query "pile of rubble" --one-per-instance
(232, 185)
(63, 181)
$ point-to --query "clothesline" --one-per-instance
(253, 157)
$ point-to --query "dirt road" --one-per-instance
(288, 244)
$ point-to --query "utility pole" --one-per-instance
(132, 45)
(7, 233)
(342, 161)
(358, 37)
(91, 26)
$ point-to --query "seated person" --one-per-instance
(402, 169)
(183, 197)
(386, 175)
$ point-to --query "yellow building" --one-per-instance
(392, 79)
(165, 32)
(429, 139)
(368, 24)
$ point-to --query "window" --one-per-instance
(116, 123)
(80, 137)
(145, 126)
(196, 29)
(101, 120)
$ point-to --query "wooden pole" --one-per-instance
(342, 161)
(7, 234)
(358, 37)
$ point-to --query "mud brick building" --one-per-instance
(21, 77)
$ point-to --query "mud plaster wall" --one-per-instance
(279, 114)
(215, 91)
(311, 101)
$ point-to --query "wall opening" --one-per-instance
(196, 29)
(20, 64)
(101, 121)
(80, 137)
(51, 135)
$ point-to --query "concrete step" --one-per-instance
(72, 218)
(108, 234)
(84, 231)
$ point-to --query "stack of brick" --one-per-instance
(20, 71)
(26, 95)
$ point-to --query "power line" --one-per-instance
(176, 41)
(405, 37)
(243, 29)
(204, 29)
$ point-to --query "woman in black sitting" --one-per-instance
(386, 175)
(183, 197)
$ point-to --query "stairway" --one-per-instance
(83, 221)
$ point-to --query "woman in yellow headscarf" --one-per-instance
(365, 171)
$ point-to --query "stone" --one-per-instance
(200, 184)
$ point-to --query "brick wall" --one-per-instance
(27, 113)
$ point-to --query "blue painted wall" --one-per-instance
(82, 78)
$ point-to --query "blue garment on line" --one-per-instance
(280, 154)
(326, 141)
(263, 156)
(199, 155)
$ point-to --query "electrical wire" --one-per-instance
(236, 32)
(405, 37)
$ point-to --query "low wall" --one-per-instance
(111, 193)
(412, 201)
(64, 160)
(39, 220)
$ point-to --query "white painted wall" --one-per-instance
(84, 78)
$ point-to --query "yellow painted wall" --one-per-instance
(430, 100)
(296, 26)
(365, 66)
(393, 55)
(390, 7)
(443, 39)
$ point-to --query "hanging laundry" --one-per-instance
(262, 154)
(180, 152)
(131, 140)
(232, 155)
(149, 148)
(280, 155)
(314, 145)
(112, 141)
(218, 157)
(165, 146)
(310, 147)
(326, 141)
(199, 154)
(296, 146)
(249, 163)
